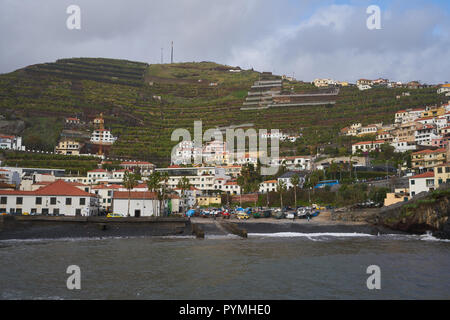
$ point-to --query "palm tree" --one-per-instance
(184, 185)
(281, 186)
(164, 180)
(129, 182)
(153, 185)
(295, 180)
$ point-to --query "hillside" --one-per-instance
(142, 104)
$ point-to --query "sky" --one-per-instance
(307, 39)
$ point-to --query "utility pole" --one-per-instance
(171, 53)
(162, 61)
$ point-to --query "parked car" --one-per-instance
(115, 215)
(242, 215)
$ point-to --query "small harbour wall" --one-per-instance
(43, 227)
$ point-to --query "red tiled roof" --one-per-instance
(134, 195)
(369, 142)
(430, 151)
(271, 181)
(98, 170)
(429, 174)
(112, 186)
(57, 188)
(135, 162)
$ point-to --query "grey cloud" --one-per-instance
(264, 34)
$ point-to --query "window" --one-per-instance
(413, 182)
(55, 211)
(34, 210)
(439, 170)
(19, 200)
(45, 211)
(78, 212)
(18, 211)
(53, 200)
(68, 201)
(82, 201)
(3, 200)
(38, 200)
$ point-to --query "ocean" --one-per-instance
(287, 266)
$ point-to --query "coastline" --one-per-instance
(23, 228)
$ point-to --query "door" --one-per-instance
(137, 213)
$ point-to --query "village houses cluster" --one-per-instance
(425, 132)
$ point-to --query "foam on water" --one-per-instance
(308, 235)
(429, 237)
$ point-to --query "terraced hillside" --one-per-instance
(143, 104)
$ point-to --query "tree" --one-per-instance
(184, 185)
(281, 186)
(129, 182)
(164, 179)
(153, 184)
(295, 180)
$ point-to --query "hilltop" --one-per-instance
(143, 103)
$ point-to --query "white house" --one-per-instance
(268, 186)
(367, 146)
(142, 204)
(286, 178)
(11, 142)
(57, 198)
(102, 136)
(420, 183)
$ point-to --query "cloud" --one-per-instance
(311, 38)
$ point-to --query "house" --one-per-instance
(444, 88)
(286, 179)
(268, 186)
(72, 120)
(57, 198)
(206, 200)
(421, 182)
(399, 195)
(413, 85)
(442, 174)
(141, 203)
(144, 167)
(105, 193)
(367, 146)
(231, 187)
(10, 177)
(426, 159)
(324, 82)
(363, 87)
(68, 147)
(294, 162)
(363, 82)
(97, 174)
(11, 142)
(102, 136)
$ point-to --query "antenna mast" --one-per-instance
(171, 54)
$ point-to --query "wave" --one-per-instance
(309, 235)
(429, 237)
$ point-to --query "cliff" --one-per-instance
(425, 212)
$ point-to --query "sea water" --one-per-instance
(264, 266)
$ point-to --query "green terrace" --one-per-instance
(142, 104)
